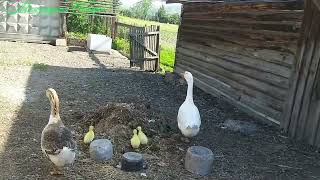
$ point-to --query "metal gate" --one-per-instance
(30, 25)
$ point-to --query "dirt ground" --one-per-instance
(90, 88)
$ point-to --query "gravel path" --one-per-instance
(86, 82)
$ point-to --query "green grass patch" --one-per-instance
(3, 51)
(140, 22)
(168, 39)
(167, 53)
(40, 66)
(23, 62)
(76, 35)
(167, 57)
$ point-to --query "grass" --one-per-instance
(76, 35)
(167, 53)
(168, 39)
(168, 31)
(21, 62)
(167, 57)
(24, 62)
(40, 66)
(139, 22)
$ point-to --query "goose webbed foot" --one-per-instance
(56, 171)
(185, 139)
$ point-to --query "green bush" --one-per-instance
(85, 24)
(78, 23)
(76, 35)
(122, 45)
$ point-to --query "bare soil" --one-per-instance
(102, 90)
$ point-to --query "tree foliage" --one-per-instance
(82, 23)
(142, 10)
(161, 15)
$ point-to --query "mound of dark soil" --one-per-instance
(116, 122)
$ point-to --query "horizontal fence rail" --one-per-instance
(144, 45)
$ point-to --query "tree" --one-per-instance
(126, 12)
(162, 15)
(141, 9)
(116, 5)
(174, 19)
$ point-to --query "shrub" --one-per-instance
(122, 45)
(85, 24)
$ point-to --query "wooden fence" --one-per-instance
(302, 113)
(144, 45)
(101, 7)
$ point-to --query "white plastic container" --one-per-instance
(97, 42)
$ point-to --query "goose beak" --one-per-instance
(48, 93)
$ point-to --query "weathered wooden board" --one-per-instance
(244, 51)
(264, 55)
(244, 39)
(241, 86)
(267, 15)
(268, 78)
(243, 6)
(144, 46)
(302, 111)
(240, 23)
(245, 60)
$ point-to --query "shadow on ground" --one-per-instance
(267, 155)
(80, 91)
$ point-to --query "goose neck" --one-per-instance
(54, 119)
(54, 114)
(190, 92)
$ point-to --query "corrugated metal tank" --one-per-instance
(31, 25)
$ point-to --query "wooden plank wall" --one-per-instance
(244, 51)
(302, 113)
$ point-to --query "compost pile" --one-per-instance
(116, 122)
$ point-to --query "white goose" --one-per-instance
(57, 141)
(189, 120)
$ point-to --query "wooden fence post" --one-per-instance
(107, 26)
(158, 49)
(113, 27)
(116, 28)
(64, 25)
(130, 47)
